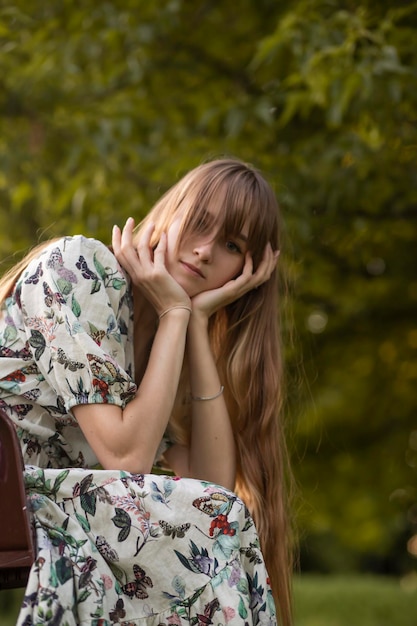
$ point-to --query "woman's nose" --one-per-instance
(204, 250)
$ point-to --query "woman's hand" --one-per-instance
(146, 267)
(208, 302)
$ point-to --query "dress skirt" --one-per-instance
(133, 549)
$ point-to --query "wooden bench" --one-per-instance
(16, 541)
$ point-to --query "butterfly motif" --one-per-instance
(19, 376)
(62, 358)
(89, 565)
(101, 387)
(20, 409)
(82, 487)
(62, 422)
(137, 588)
(51, 297)
(105, 549)
(138, 479)
(55, 260)
(34, 279)
(16, 376)
(96, 334)
(172, 531)
(124, 395)
(215, 504)
(59, 408)
(118, 612)
(104, 368)
(85, 270)
(86, 569)
(24, 354)
(32, 394)
(30, 369)
(251, 554)
(32, 446)
(56, 263)
(204, 619)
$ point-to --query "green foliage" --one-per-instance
(103, 106)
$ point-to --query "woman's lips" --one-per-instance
(193, 269)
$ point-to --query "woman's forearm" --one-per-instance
(128, 439)
(212, 450)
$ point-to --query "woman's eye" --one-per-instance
(232, 247)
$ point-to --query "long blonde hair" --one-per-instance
(9, 278)
(246, 341)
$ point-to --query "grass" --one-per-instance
(355, 601)
(320, 601)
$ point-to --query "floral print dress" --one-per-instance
(112, 547)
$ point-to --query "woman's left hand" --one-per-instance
(208, 302)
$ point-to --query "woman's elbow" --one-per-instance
(132, 463)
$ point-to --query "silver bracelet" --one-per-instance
(204, 398)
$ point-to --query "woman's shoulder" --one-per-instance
(74, 249)
(65, 255)
(77, 244)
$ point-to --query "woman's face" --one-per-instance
(204, 260)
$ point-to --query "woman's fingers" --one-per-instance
(138, 256)
(134, 257)
(146, 266)
(160, 250)
(143, 248)
(126, 236)
(250, 279)
(266, 266)
(122, 242)
(115, 239)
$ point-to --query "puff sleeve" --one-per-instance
(77, 314)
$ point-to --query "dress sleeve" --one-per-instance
(77, 310)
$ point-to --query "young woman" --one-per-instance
(177, 362)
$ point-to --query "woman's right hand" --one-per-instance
(146, 267)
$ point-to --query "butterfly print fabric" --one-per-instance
(70, 319)
(112, 547)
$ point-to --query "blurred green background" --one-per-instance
(105, 105)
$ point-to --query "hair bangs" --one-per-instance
(250, 205)
(229, 201)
